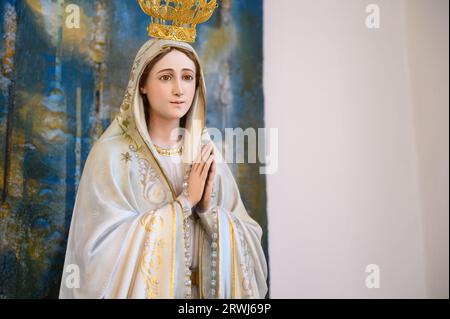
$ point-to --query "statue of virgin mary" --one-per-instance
(135, 234)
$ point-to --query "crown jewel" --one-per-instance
(177, 19)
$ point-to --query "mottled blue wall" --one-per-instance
(61, 87)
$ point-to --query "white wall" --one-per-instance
(356, 184)
(427, 56)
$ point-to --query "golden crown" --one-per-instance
(177, 19)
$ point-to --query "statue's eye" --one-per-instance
(189, 77)
(165, 77)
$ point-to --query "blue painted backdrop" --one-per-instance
(60, 87)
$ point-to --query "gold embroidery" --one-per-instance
(148, 177)
(150, 221)
(124, 125)
(151, 257)
(126, 101)
(126, 157)
(247, 263)
(133, 71)
(232, 259)
(172, 275)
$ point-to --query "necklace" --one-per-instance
(169, 151)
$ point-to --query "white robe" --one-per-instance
(174, 169)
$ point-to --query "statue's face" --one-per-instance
(172, 79)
